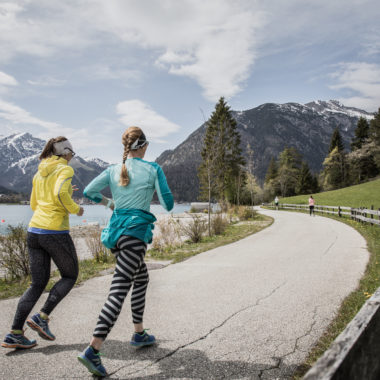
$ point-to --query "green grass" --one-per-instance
(363, 195)
(233, 233)
(87, 269)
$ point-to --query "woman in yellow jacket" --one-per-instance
(48, 239)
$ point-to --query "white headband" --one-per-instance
(63, 147)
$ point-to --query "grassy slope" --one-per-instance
(363, 195)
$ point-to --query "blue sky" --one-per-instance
(87, 69)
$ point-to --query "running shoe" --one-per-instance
(37, 323)
(139, 340)
(18, 341)
(92, 361)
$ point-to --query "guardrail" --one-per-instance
(362, 214)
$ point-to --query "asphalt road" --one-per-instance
(248, 310)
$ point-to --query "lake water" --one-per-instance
(16, 214)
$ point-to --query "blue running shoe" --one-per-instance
(92, 361)
(139, 340)
(37, 323)
(18, 341)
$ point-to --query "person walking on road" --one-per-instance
(311, 205)
(129, 230)
(48, 239)
(276, 202)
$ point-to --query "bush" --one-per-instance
(14, 257)
(194, 229)
(219, 224)
(246, 213)
(167, 235)
(99, 252)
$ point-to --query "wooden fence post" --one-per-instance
(371, 215)
(339, 212)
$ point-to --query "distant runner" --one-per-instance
(311, 205)
(129, 231)
(48, 239)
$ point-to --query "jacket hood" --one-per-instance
(48, 165)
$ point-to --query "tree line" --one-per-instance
(227, 177)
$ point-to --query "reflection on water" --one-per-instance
(16, 214)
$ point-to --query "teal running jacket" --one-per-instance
(132, 202)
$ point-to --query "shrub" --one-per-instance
(246, 213)
(194, 229)
(167, 235)
(219, 223)
(98, 251)
(14, 257)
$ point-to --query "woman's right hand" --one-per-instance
(80, 212)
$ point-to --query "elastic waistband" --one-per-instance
(42, 231)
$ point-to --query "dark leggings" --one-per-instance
(42, 248)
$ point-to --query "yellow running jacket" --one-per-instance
(51, 195)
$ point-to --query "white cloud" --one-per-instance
(137, 113)
(46, 81)
(363, 80)
(7, 80)
(17, 115)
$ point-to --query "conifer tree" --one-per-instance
(306, 181)
(222, 160)
(334, 174)
(361, 134)
(272, 170)
(289, 165)
(374, 129)
(336, 141)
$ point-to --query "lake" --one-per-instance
(16, 214)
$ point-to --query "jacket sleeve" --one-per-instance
(61, 190)
(33, 200)
(94, 188)
(165, 196)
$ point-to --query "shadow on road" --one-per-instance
(164, 363)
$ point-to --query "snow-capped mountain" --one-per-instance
(268, 128)
(19, 161)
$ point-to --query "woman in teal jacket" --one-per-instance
(132, 184)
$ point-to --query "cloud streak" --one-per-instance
(155, 126)
(360, 79)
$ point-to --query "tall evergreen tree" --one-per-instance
(222, 160)
(289, 165)
(361, 134)
(374, 128)
(334, 174)
(336, 141)
(306, 181)
(272, 170)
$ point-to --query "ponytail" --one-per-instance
(128, 138)
(48, 150)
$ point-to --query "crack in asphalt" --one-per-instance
(281, 359)
(330, 246)
(204, 336)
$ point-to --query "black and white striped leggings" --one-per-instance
(130, 269)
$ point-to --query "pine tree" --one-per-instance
(306, 181)
(336, 141)
(222, 160)
(374, 129)
(334, 174)
(361, 134)
(289, 165)
(272, 170)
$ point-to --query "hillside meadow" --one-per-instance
(363, 195)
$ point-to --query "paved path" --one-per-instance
(248, 310)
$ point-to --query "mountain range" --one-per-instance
(19, 162)
(268, 128)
